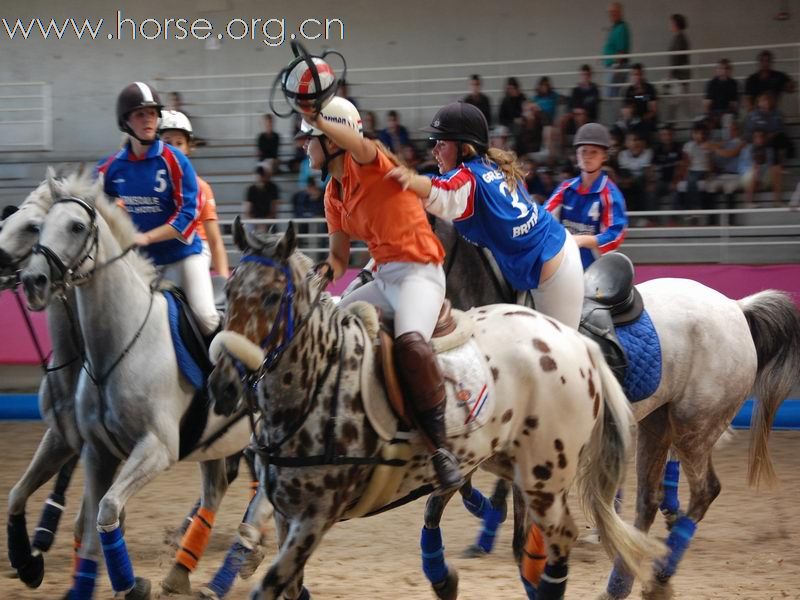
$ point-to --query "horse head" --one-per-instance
(19, 232)
(68, 237)
(261, 312)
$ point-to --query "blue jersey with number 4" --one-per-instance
(159, 188)
(520, 234)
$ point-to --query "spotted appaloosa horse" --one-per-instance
(715, 352)
(558, 413)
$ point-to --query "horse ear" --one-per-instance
(52, 183)
(239, 236)
(288, 243)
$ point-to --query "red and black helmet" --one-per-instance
(133, 96)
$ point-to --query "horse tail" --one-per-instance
(602, 470)
(774, 322)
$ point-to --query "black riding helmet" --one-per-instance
(133, 96)
(461, 122)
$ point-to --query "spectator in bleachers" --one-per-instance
(394, 135)
(766, 79)
(727, 179)
(617, 42)
(679, 43)
(500, 137)
(261, 201)
(645, 100)
(344, 92)
(722, 95)
(308, 203)
(628, 120)
(767, 117)
(635, 173)
(531, 135)
(546, 98)
(511, 105)
(478, 98)
(410, 156)
(578, 117)
(759, 168)
(268, 144)
(370, 125)
(667, 155)
(696, 168)
(585, 95)
(542, 185)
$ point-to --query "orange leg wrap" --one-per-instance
(195, 539)
(534, 557)
(76, 545)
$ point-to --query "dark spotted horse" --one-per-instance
(149, 422)
(528, 399)
(59, 449)
(688, 357)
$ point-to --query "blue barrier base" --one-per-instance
(25, 407)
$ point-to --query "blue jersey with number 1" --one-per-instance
(520, 234)
(159, 188)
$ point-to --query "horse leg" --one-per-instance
(653, 444)
(520, 518)
(299, 540)
(704, 487)
(670, 505)
(149, 457)
(50, 456)
(45, 532)
(491, 512)
(195, 540)
(442, 577)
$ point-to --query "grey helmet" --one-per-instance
(594, 134)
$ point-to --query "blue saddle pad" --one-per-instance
(186, 362)
(641, 345)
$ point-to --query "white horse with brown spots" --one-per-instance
(554, 412)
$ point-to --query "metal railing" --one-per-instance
(229, 106)
(26, 116)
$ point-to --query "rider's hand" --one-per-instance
(403, 176)
(141, 240)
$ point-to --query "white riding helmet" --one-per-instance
(338, 110)
(173, 119)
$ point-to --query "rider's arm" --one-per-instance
(448, 198)
(613, 220)
(183, 180)
(361, 149)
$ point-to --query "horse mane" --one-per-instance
(39, 198)
(82, 185)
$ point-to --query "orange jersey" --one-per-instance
(369, 207)
(208, 206)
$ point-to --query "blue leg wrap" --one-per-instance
(118, 563)
(554, 581)
(226, 575)
(677, 542)
(19, 547)
(433, 564)
(48, 523)
(476, 503)
(491, 523)
(620, 582)
(83, 582)
(672, 474)
(530, 591)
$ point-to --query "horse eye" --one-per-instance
(78, 227)
(33, 228)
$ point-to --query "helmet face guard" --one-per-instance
(316, 66)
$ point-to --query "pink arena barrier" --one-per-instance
(735, 281)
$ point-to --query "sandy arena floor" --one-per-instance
(747, 547)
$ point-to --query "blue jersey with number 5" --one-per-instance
(159, 188)
(520, 234)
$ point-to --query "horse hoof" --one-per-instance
(655, 590)
(140, 591)
(205, 593)
(32, 573)
(474, 551)
(448, 588)
(252, 562)
(177, 581)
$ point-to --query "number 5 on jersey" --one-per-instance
(161, 181)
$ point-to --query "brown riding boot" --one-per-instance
(423, 383)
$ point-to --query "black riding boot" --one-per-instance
(423, 383)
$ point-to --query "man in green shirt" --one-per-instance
(617, 42)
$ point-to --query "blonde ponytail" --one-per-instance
(507, 162)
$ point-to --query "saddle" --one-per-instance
(610, 300)
(445, 325)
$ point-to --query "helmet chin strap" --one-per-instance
(329, 156)
(130, 132)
